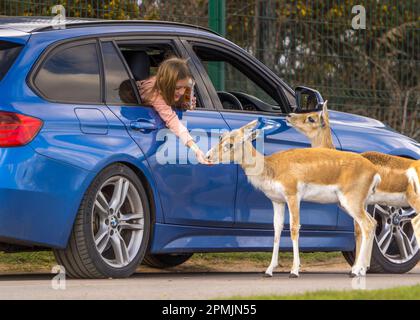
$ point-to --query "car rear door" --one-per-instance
(190, 193)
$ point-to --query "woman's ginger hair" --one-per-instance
(169, 72)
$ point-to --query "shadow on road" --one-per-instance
(184, 275)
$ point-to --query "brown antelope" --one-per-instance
(413, 194)
(318, 175)
(393, 189)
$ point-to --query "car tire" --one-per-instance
(162, 261)
(110, 235)
(392, 257)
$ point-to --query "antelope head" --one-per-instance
(231, 144)
(310, 124)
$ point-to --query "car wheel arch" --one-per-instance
(151, 197)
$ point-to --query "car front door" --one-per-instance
(228, 73)
(190, 193)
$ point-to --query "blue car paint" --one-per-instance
(39, 197)
(178, 238)
(43, 182)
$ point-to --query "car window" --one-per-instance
(231, 77)
(71, 75)
(118, 87)
(144, 59)
(8, 53)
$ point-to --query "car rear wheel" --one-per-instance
(165, 260)
(395, 249)
(112, 227)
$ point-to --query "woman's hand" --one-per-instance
(201, 157)
(186, 106)
(138, 83)
(194, 103)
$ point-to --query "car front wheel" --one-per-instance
(111, 231)
(395, 249)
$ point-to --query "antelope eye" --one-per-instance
(310, 119)
(227, 146)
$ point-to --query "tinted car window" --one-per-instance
(8, 53)
(71, 75)
(119, 89)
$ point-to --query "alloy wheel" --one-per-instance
(118, 221)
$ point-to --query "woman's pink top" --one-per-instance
(165, 111)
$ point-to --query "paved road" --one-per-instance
(191, 285)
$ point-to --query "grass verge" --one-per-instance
(44, 261)
(27, 261)
(265, 257)
(399, 293)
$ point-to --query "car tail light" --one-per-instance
(17, 129)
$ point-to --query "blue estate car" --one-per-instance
(79, 167)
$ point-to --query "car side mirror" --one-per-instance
(308, 99)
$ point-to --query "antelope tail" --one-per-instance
(376, 181)
(413, 179)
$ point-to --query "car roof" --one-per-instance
(30, 24)
(44, 24)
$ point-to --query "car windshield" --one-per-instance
(8, 54)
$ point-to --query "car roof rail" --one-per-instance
(95, 23)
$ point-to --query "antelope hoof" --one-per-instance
(268, 274)
(358, 272)
(293, 275)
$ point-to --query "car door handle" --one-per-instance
(143, 125)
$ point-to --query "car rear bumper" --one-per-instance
(39, 197)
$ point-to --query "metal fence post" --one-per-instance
(217, 22)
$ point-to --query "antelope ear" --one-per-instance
(324, 110)
(324, 117)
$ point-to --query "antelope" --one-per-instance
(413, 194)
(393, 189)
(311, 174)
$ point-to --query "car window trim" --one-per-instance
(101, 70)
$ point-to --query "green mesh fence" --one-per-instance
(373, 71)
